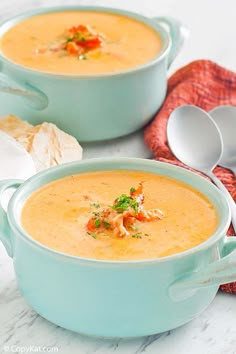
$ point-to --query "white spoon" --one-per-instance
(195, 139)
(225, 118)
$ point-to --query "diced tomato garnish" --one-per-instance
(72, 30)
(75, 29)
(72, 48)
(140, 216)
(89, 44)
(91, 225)
(92, 43)
(81, 40)
(82, 28)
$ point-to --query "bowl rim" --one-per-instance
(150, 21)
(140, 163)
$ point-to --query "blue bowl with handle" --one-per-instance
(117, 298)
(91, 107)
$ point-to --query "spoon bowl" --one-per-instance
(225, 118)
(195, 139)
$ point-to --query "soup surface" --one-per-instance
(59, 215)
(80, 42)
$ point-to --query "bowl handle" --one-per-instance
(35, 98)
(220, 272)
(5, 231)
(178, 34)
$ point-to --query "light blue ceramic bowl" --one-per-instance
(116, 298)
(91, 107)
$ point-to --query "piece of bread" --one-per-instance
(17, 128)
(48, 145)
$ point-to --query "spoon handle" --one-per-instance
(228, 196)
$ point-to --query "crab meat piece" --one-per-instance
(150, 215)
(118, 221)
(137, 194)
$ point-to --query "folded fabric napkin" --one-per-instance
(205, 84)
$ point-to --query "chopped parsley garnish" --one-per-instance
(137, 235)
(132, 189)
(92, 234)
(95, 205)
(97, 223)
(107, 225)
(124, 202)
(96, 214)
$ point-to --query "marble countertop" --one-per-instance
(212, 27)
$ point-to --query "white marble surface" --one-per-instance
(212, 26)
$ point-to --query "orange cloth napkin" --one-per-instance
(205, 84)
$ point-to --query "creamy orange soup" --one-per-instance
(80, 42)
(57, 216)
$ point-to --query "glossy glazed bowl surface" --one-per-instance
(117, 298)
(91, 107)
